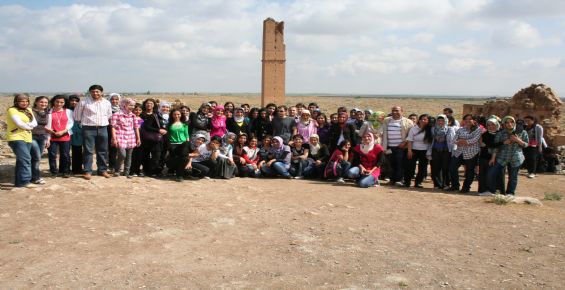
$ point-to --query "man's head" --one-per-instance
(281, 111)
(396, 112)
(96, 91)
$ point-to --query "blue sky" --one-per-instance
(439, 47)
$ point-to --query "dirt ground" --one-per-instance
(274, 233)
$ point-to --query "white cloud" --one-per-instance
(389, 60)
(466, 48)
(468, 64)
(517, 34)
(215, 45)
(545, 63)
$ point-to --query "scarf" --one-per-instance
(41, 117)
(115, 108)
(366, 148)
(495, 122)
(239, 119)
(506, 119)
(374, 118)
(279, 149)
(314, 149)
(438, 132)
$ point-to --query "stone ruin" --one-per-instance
(537, 100)
(273, 67)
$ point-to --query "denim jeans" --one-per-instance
(363, 181)
(276, 168)
(496, 176)
(22, 150)
(95, 138)
(469, 171)
(64, 148)
(37, 146)
(397, 161)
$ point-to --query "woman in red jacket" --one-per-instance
(369, 156)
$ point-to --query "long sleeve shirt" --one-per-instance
(90, 112)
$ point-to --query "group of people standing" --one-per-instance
(156, 139)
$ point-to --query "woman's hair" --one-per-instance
(58, 97)
(96, 87)
(39, 99)
(532, 118)
(343, 143)
(229, 103)
(427, 129)
(450, 121)
(298, 136)
(324, 116)
(253, 110)
(144, 104)
(216, 139)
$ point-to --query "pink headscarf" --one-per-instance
(125, 102)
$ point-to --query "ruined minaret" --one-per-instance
(274, 58)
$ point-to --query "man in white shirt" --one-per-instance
(94, 113)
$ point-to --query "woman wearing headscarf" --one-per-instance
(318, 156)
(263, 126)
(441, 152)
(277, 161)
(20, 122)
(487, 149)
(374, 125)
(306, 126)
(114, 99)
(508, 155)
(40, 137)
(218, 122)
(199, 122)
(226, 167)
(237, 124)
(369, 157)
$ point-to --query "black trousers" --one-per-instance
(469, 171)
(204, 168)
(136, 158)
(420, 157)
(76, 159)
(532, 155)
(440, 167)
(178, 158)
(151, 156)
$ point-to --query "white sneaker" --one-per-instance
(30, 185)
(486, 193)
(39, 181)
(340, 180)
(531, 175)
(299, 177)
(399, 183)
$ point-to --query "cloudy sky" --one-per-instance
(440, 47)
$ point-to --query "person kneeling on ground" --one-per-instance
(370, 156)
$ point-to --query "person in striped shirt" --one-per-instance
(395, 131)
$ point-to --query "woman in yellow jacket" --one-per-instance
(20, 123)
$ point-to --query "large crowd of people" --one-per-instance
(363, 147)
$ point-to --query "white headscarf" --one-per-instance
(367, 148)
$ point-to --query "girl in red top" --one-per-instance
(59, 124)
(370, 156)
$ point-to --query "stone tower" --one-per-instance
(273, 68)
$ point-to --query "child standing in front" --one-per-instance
(125, 135)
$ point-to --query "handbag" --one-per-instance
(334, 169)
(150, 135)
